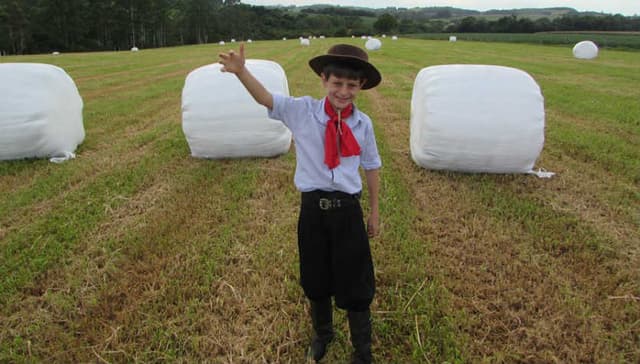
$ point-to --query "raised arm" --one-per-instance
(234, 62)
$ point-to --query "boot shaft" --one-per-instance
(360, 328)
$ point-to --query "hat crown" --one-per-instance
(347, 50)
(351, 56)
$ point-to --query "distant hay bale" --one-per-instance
(453, 38)
(249, 41)
(221, 42)
(40, 112)
(220, 119)
(305, 41)
(585, 50)
(134, 49)
(395, 37)
(373, 44)
(55, 53)
(476, 118)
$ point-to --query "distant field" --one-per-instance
(137, 252)
(623, 40)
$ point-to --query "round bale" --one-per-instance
(40, 112)
(585, 50)
(476, 118)
(373, 44)
(220, 119)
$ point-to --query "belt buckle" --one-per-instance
(324, 203)
(328, 203)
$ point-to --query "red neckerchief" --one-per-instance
(338, 136)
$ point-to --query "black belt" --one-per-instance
(329, 200)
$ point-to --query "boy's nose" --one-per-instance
(343, 90)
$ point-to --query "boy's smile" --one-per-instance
(341, 91)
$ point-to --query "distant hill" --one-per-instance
(437, 12)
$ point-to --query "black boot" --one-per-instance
(322, 320)
(360, 327)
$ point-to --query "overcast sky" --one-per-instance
(624, 7)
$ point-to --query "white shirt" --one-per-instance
(306, 119)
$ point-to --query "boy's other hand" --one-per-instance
(232, 62)
(373, 225)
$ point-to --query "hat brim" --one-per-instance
(372, 75)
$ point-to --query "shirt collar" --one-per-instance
(322, 118)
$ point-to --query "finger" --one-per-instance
(242, 49)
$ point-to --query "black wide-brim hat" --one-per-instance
(349, 55)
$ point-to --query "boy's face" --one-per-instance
(341, 91)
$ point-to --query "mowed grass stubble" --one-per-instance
(135, 251)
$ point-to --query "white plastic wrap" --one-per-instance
(220, 119)
(373, 44)
(476, 118)
(585, 50)
(40, 112)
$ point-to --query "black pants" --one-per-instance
(335, 257)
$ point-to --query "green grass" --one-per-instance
(602, 39)
(136, 251)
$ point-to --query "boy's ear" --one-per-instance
(324, 78)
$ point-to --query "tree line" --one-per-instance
(42, 26)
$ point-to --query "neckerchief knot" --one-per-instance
(339, 140)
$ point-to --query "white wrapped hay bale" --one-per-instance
(453, 38)
(585, 50)
(373, 44)
(304, 41)
(40, 112)
(220, 119)
(476, 118)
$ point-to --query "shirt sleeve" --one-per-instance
(369, 156)
(277, 112)
(292, 111)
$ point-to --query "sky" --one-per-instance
(624, 7)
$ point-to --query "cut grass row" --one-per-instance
(566, 263)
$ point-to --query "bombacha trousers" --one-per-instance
(334, 251)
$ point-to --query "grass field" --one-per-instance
(612, 40)
(137, 252)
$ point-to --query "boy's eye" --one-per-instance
(347, 84)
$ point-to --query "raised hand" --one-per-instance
(232, 62)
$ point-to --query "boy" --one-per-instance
(333, 139)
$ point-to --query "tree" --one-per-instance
(385, 23)
(17, 25)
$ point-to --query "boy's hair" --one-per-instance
(343, 70)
